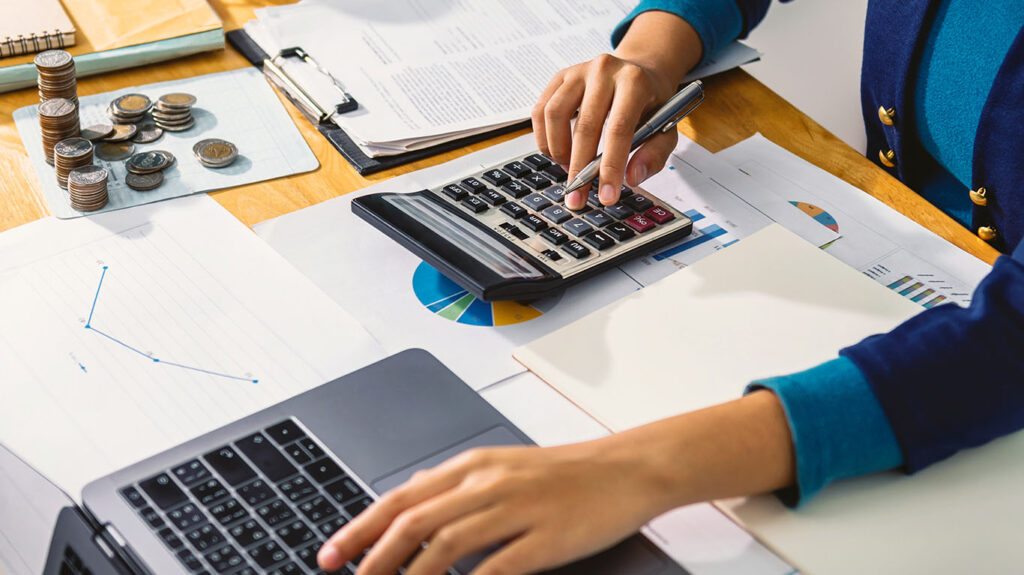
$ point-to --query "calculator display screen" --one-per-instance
(475, 242)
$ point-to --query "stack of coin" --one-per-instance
(173, 112)
(71, 154)
(87, 187)
(145, 169)
(129, 109)
(58, 120)
(56, 76)
(214, 153)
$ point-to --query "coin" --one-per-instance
(146, 162)
(87, 188)
(147, 133)
(58, 120)
(177, 100)
(122, 132)
(170, 157)
(215, 153)
(171, 116)
(73, 147)
(52, 59)
(143, 182)
(176, 127)
(114, 151)
(70, 154)
(131, 104)
(57, 107)
(97, 132)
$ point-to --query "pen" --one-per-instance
(675, 109)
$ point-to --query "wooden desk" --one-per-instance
(737, 107)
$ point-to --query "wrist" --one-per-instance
(663, 44)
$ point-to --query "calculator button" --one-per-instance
(475, 204)
(582, 210)
(536, 201)
(598, 219)
(454, 192)
(625, 192)
(473, 185)
(593, 199)
(552, 255)
(492, 197)
(496, 177)
(534, 223)
(556, 173)
(513, 210)
(514, 230)
(554, 236)
(557, 214)
(659, 214)
(536, 181)
(639, 223)
(517, 169)
(618, 211)
(515, 189)
(555, 193)
(619, 231)
(599, 240)
(638, 203)
(578, 227)
(576, 250)
(537, 161)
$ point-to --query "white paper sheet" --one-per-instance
(130, 332)
(877, 240)
(238, 106)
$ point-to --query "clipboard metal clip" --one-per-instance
(273, 69)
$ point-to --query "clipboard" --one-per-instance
(341, 141)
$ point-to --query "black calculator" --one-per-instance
(506, 234)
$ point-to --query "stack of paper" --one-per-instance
(429, 72)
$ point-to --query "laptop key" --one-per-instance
(275, 513)
(163, 491)
(204, 538)
(191, 472)
(151, 517)
(537, 161)
(318, 509)
(230, 466)
(473, 185)
(228, 512)
(323, 471)
(268, 554)
(308, 555)
(312, 448)
(285, 432)
(224, 559)
(297, 489)
(189, 560)
(170, 539)
(517, 169)
(209, 492)
(186, 516)
(344, 490)
(256, 492)
(288, 568)
(297, 453)
(266, 457)
(356, 507)
(135, 499)
(534, 223)
(331, 526)
(295, 534)
(248, 533)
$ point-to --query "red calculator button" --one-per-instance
(639, 223)
(660, 214)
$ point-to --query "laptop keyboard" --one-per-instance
(264, 503)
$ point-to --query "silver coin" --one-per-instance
(57, 107)
(52, 59)
(97, 131)
(73, 147)
(114, 151)
(132, 104)
(176, 128)
(170, 157)
(146, 162)
(143, 182)
(122, 132)
(177, 100)
(88, 175)
(147, 133)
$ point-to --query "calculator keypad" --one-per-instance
(523, 200)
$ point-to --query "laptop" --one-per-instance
(261, 495)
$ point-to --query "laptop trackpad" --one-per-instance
(493, 437)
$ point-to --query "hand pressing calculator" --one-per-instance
(505, 233)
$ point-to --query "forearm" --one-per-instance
(742, 447)
(663, 43)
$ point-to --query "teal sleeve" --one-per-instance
(717, 22)
(839, 429)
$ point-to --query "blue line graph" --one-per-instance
(89, 326)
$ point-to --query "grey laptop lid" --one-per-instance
(383, 423)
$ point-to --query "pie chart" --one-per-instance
(446, 299)
(821, 216)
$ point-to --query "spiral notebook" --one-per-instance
(27, 27)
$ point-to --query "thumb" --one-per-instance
(650, 158)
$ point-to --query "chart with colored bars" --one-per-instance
(700, 235)
(448, 300)
(907, 286)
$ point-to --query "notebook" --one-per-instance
(27, 28)
(108, 37)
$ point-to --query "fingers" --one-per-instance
(586, 136)
(558, 114)
(623, 118)
(537, 114)
(650, 158)
(524, 555)
(464, 537)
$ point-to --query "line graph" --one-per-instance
(93, 329)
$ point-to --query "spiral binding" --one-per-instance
(17, 45)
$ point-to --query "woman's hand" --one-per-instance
(547, 505)
(612, 93)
